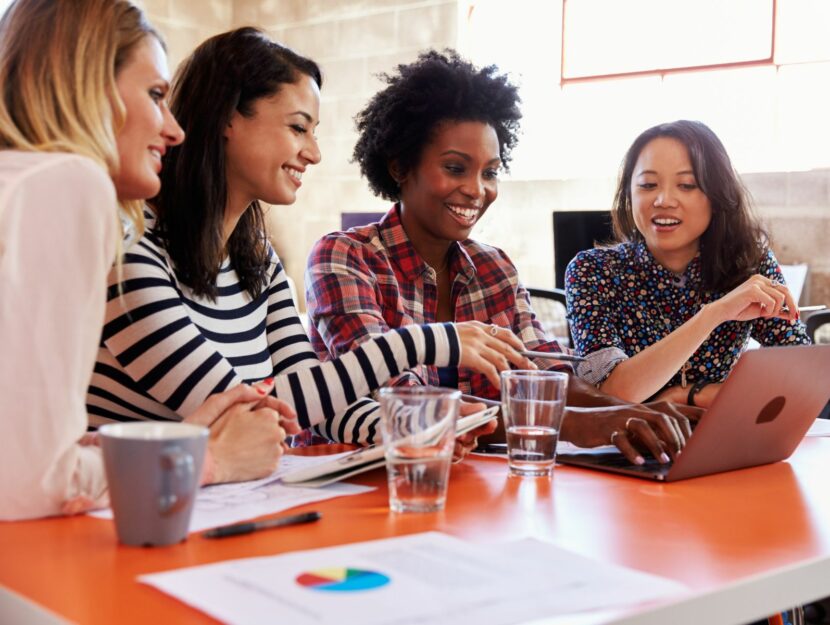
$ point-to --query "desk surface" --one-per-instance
(747, 543)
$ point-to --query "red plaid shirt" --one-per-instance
(365, 281)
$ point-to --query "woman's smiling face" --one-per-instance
(454, 182)
(670, 210)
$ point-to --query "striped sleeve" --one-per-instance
(292, 351)
(343, 305)
(161, 352)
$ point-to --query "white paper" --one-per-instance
(433, 578)
(229, 503)
(820, 427)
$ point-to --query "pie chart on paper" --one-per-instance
(342, 580)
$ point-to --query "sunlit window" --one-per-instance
(608, 37)
(771, 114)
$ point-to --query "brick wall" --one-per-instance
(355, 39)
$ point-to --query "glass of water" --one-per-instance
(418, 425)
(532, 403)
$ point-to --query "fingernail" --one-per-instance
(268, 381)
(639, 460)
(664, 458)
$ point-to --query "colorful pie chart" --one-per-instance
(342, 580)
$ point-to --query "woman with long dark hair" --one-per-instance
(669, 309)
(205, 303)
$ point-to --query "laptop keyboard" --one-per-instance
(650, 466)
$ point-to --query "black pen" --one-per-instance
(254, 526)
(498, 449)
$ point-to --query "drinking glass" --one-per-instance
(533, 403)
(418, 426)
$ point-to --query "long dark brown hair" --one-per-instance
(226, 73)
(733, 245)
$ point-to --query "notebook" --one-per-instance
(759, 416)
(369, 458)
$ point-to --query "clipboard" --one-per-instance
(369, 458)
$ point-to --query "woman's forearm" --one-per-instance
(644, 374)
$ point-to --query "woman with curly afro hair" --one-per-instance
(434, 141)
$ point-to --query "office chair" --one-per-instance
(549, 306)
(574, 231)
(818, 329)
(818, 326)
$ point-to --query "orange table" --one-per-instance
(747, 543)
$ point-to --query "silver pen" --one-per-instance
(552, 356)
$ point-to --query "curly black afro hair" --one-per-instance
(399, 120)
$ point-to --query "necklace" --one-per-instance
(667, 323)
(442, 268)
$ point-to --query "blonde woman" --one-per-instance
(83, 126)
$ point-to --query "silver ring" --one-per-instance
(614, 435)
(627, 423)
(494, 330)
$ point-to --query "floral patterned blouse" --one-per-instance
(621, 300)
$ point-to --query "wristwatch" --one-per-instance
(696, 388)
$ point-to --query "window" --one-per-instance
(603, 38)
(767, 103)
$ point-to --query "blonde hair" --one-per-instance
(58, 64)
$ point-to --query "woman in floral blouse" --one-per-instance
(668, 310)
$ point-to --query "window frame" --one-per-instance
(662, 71)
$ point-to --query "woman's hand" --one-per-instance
(247, 429)
(633, 429)
(758, 297)
(469, 441)
(490, 349)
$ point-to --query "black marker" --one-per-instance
(238, 529)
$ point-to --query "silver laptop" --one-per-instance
(759, 416)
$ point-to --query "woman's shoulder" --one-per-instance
(481, 252)
(607, 257)
(347, 246)
(71, 175)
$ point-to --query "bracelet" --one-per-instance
(696, 388)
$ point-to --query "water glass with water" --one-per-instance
(418, 426)
(532, 403)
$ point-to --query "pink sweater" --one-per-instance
(58, 231)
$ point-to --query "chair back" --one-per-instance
(549, 306)
(818, 326)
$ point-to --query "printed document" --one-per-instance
(422, 578)
(223, 504)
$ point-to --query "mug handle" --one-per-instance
(178, 469)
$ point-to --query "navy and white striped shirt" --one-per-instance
(164, 350)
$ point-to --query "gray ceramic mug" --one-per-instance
(153, 474)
